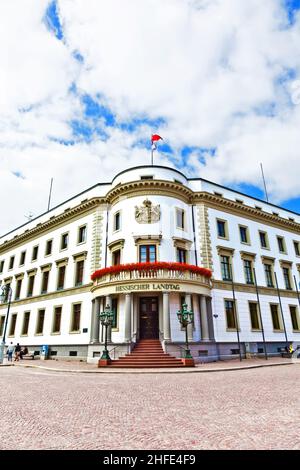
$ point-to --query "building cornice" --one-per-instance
(50, 295)
(250, 289)
(54, 221)
(236, 208)
(150, 187)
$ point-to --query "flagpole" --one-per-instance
(151, 155)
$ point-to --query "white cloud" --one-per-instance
(205, 66)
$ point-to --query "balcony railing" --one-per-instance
(152, 272)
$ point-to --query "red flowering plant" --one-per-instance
(151, 267)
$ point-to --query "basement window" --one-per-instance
(73, 353)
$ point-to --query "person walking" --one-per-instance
(10, 350)
(17, 352)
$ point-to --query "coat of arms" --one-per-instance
(147, 213)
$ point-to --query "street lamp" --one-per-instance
(5, 297)
(186, 317)
(106, 319)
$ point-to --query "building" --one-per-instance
(154, 214)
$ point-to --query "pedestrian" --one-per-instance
(23, 352)
(10, 350)
(17, 352)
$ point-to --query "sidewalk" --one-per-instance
(83, 367)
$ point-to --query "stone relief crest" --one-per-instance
(147, 213)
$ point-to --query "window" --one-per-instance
(79, 273)
(2, 320)
(45, 280)
(147, 177)
(11, 262)
(22, 258)
(40, 322)
(82, 234)
(48, 250)
(180, 218)
(116, 257)
(18, 289)
(269, 274)
(181, 255)
(248, 271)
(30, 285)
(244, 236)
(287, 278)
(61, 277)
(230, 314)
(35, 251)
(294, 317)
(218, 194)
(12, 326)
(275, 317)
(297, 249)
(64, 241)
(75, 323)
(225, 268)
(57, 320)
(255, 323)
(114, 308)
(222, 232)
(240, 201)
(1, 266)
(117, 221)
(281, 244)
(25, 323)
(147, 253)
(263, 240)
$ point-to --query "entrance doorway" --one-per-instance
(149, 318)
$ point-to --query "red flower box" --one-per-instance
(151, 267)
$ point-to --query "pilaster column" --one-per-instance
(95, 320)
(166, 316)
(108, 301)
(188, 301)
(127, 331)
(204, 319)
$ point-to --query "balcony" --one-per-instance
(159, 272)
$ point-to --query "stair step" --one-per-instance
(148, 353)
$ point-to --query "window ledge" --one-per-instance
(74, 332)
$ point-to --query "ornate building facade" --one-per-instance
(221, 252)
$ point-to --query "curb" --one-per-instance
(188, 370)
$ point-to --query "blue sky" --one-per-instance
(220, 84)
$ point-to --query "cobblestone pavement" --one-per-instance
(245, 409)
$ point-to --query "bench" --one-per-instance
(284, 353)
(29, 355)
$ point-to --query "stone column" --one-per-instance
(95, 320)
(108, 301)
(166, 316)
(188, 301)
(204, 319)
(127, 331)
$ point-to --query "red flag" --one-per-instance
(155, 138)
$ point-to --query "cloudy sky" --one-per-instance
(84, 84)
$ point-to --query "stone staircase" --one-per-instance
(147, 353)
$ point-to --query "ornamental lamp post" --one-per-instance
(106, 319)
(5, 297)
(186, 317)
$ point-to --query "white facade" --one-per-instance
(152, 202)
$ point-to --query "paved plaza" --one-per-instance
(241, 409)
